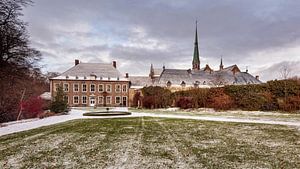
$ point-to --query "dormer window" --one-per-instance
(169, 84)
(93, 77)
(196, 84)
(204, 83)
(182, 84)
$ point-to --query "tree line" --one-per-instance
(21, 79)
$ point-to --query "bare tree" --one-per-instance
(14, 43)
(18, 61)
(285, 72)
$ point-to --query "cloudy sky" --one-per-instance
(263, 35)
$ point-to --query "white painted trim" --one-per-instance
(107, 88)
(85, 100)
(74, 87)
(102, 88)
(116, 88)
(74, 99)
(94, 88)
(86, 89)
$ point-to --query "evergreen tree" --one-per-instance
(59, 104)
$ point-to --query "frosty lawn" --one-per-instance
(146, 142)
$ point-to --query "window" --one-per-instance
(108, 88)
(124, 101)
(56, 85)
(66, 87)
(75, 87)
(118, 88)
(124, 88)
(66, 98)
(118, 100)
(93, 88)
(108, 100)
(83, 87)
(100, 99)
(75, 99)
(101, 88)
(84, 99)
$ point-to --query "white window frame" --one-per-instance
(66, 88)
(117, 88)
(116, 100)
(74, 87)
(110, 87)
(91, 88)
(83, 99)
(100, 98)
(85, 87)
(103, 89)
(108, 98)
(124, 88)
(74, 99)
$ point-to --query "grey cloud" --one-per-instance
(232, 28)
(275, 71)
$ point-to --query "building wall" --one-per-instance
(95, 95)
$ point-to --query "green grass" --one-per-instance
(235, 114)
(152, 143)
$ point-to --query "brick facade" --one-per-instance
(81, 93)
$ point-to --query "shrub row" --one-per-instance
(274, 95)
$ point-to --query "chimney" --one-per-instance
(114, 63)
(126, 75)
(257, 77)
(76, 62)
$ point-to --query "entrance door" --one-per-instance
(124, 101)
(92, 101)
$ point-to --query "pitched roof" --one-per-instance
(100, 70)
(140, 81)
(177, 76)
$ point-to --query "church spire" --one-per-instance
(151, 74)
(221, 64)
(196, 60)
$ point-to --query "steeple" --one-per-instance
(151, 74)
(196, 60)
(221, 64)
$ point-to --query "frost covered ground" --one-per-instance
(151, 142)
(200, 114)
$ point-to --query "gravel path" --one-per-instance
(13, 127)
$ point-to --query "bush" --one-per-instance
(59, 104)
(292, 103)
(219, 100)
(156, 97)
(185, 102)
(32, 107)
